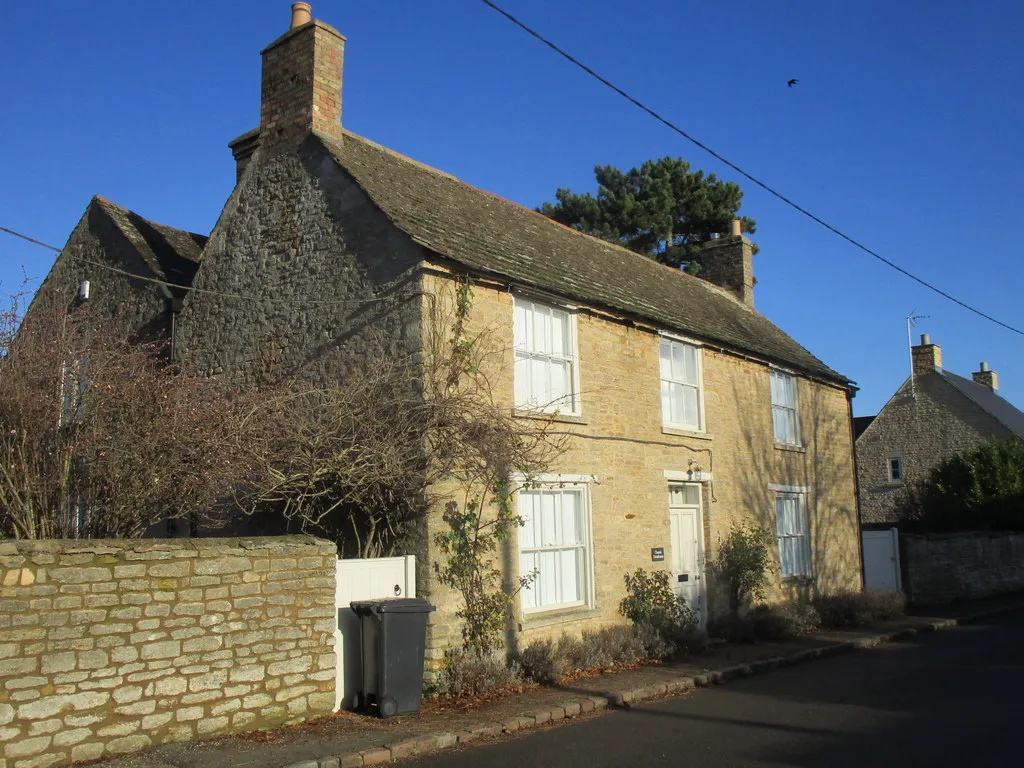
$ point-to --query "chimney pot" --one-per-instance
(982, 366)
(737, 227)
(925, 339)
(302, 13)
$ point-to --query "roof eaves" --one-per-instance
(429, 230)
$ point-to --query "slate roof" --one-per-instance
(171, 254)
(988, 401)
(490, 235)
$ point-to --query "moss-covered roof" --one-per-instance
(493, 236)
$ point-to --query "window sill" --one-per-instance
(667, 430)
(552, 618)
(566, 418)
(796, 581)
(895, 483)
(788, 447)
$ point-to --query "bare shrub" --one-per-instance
(550, 662)
(784, 620)
(466, 673)
(100, 435)
(541, 663)
(856, 609)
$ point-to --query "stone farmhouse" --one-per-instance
(934, 415)
(690, 411)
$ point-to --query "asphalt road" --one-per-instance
(950, 698)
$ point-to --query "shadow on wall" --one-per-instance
(826, 469)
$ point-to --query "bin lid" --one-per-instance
(391, 605)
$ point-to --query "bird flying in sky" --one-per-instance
(791, 83)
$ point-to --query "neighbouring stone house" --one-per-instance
(934, 415)
(690, 411)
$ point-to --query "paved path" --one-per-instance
(950, 698)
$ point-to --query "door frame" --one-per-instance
(702, 593)
(893, 536)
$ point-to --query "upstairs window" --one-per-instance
(545, 368)
(895, 469)
(681, 385)
(791, 529)
(785, 422)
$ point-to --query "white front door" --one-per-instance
(688, 546)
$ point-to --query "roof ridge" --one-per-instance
(984, 400)
(485, 231)
(547, 219)
(107, 203)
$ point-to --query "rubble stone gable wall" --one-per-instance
(110, 646)
(302, 277)
(141, 306)
(934, 424)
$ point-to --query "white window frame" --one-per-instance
(74, 381)
(667, 339)
(890, 475)
(585, 549)
(793, 408)
(802, 534)
(568, 405)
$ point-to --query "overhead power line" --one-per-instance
(30, 239)
(189, 288)
(672, 126)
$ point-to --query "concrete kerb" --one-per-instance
(572, 708)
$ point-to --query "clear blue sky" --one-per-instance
(905, 131)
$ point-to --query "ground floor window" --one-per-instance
(792, 531)
(554, 545)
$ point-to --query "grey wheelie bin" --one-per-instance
(393, 633)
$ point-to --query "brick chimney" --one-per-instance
(729, 263)
(301, 90)
(926, 356)
(985, 377)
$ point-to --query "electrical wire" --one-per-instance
(672, 126)
(189, 288)
(30, 239)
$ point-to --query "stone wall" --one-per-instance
(302, 277)
(619, 440)
(941, 568)
(141, 306)
(111, 646)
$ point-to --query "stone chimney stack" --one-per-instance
(985, 377)
(302, 73)
(729, 263)
(926, 356)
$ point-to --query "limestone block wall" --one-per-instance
(110, 646)
(619, 440)
(955, 566)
